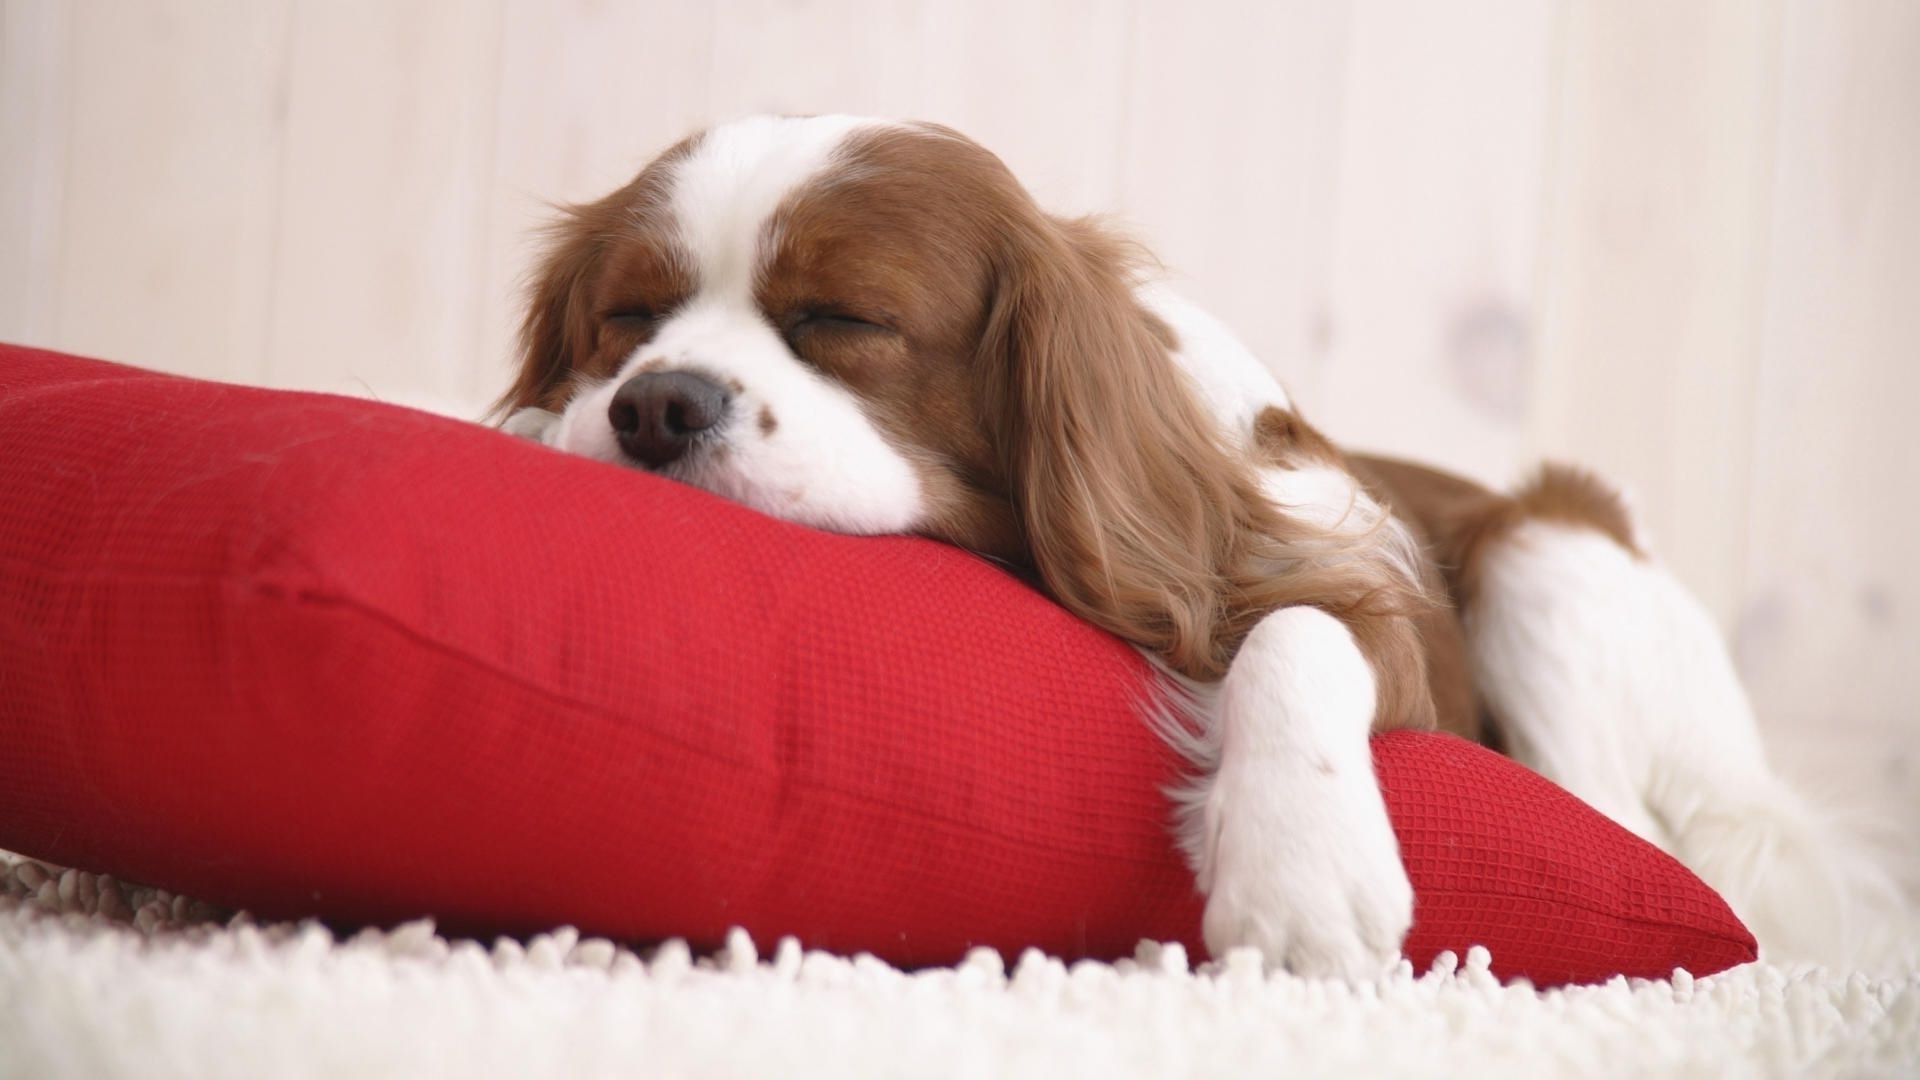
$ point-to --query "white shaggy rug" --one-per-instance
(99, 979)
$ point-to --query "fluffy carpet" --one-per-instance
(101, 979)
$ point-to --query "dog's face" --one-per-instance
(870, 327)
(789, 312)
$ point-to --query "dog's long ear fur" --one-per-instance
(1131, 507)
(552, 335)
(558, 331)
(1137, 517)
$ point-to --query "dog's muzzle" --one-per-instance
(657, 416)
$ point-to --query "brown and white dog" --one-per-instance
(870, 327)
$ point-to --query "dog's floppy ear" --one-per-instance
(1132, 510)
(559, 329)
(1138, 517)
(555, 332)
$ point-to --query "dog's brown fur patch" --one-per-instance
(1461, 523)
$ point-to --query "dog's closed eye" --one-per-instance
(834, 321)
(636, 319)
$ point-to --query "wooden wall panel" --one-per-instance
(1430, 310)
(171, 200)
(1255, 144)
(1830, 634)
(384, 178)
(817, 56)
(35, 82)
(1657, 188)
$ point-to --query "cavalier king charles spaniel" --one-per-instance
(870, 327)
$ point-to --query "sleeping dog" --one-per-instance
(870, 327)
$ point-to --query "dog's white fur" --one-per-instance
(1296, 854)
(1613, 681)
(823, 464)
(1607, 677)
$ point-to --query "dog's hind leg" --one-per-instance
(1604, 675)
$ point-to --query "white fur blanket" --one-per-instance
(99, 979)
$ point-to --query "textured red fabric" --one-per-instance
(313, 655)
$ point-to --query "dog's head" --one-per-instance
(870, 327)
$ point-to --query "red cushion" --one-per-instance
(313, 655)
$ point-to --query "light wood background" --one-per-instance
(1676, 240)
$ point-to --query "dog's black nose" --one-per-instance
(657, 415)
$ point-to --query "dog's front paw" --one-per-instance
(1306, 869)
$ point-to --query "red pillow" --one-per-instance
(313, 655)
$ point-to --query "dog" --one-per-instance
(870, 327)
